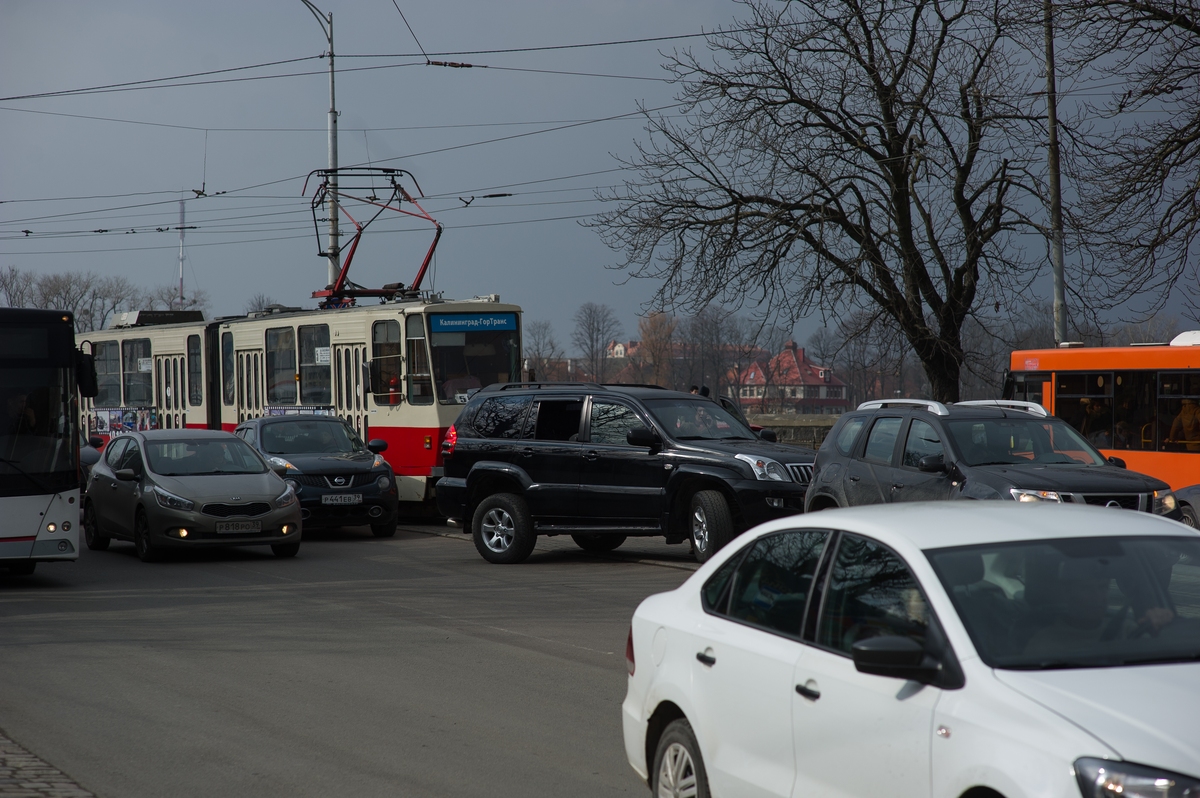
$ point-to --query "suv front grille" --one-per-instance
(318, 481)
(227, 510)
(802, 473)
(1128, 501)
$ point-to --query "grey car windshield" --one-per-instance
(310, 437)
(698, 420)
(1077, 602)
(1012, 441)
(185, 458)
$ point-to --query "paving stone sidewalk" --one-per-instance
(23, 775)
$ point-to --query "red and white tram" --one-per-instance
(399, 370)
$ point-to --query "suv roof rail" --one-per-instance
(516, 386)
(1008, 404)
(634, 385)
(937, 408)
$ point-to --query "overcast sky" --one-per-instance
(119, 160)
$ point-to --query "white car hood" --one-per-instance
(1146, 713)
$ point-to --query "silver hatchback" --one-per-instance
(187, 489)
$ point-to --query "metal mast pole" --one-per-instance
(181, 216)
(333, 252)
(1056, 222)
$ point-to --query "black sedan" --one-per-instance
(339, 480)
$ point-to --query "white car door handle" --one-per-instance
(707, 659)
(808, 692)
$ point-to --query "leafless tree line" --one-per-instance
(92, 298)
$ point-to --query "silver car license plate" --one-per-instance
(227, 527)
(342, 498)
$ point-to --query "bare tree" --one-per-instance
(17, 288)
(596, 326)
(841, 153)
(543, 355)
(257, 302)
(657, 331)
(166, 297)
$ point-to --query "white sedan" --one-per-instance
(951, 649)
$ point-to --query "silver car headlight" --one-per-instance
(1034, 495)
(1105, 778)
(287, 498)
(171, 501)
(765, 468)
(1164, 502)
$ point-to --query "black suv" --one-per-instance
(601, 463)
(339, 480)
(916, 450)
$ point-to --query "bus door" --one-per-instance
(350, 389)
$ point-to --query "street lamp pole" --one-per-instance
(333, 252)
(1056, 222)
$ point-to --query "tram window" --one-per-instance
(357, 381)
(420, 382)
(1085, 401)
(176, 395)
(241, 380)
(386, 355)
(256, 381)
(136, 368)
(340, 380)
(1179, 411)
(227, 381)
(281, 366)
(472, 351)
(158, 387)
(108, 373)
(194, 374)
(315, 383)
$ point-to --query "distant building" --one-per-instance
(790, 383)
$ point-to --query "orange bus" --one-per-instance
(1138, 403)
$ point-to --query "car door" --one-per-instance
(747, 646)
(103, 487)
(127, 492)
(618, 482)
(856, 734)
(550, 454)
(909, 482)
(868, 477)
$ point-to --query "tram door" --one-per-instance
(249, 393)
(349, 387)
(170, 399)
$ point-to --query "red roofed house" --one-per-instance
(790, 383)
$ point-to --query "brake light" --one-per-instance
(629, 652)
(449, 441)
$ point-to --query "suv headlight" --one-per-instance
(287, 498)
(765, 468)
(1105, 778)
(1022, 495)
(379, 462)
(384, 482)
(171, 501)
(1164, 502)
(279, 461)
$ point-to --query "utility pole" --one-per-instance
(1056, 223)
(181, 214)
(333, 252)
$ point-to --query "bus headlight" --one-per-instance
(1164, 502)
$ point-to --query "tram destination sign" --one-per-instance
(472, 322)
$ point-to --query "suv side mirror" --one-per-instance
(1117, 461)
(640, 436)
(768, 435)
(126, 475)
(895, 656)
(377, 445)
(932, 464)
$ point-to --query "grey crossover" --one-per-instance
(187, 489)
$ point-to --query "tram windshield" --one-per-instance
(471, 351)
(38, 441)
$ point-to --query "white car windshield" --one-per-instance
(1077, 602)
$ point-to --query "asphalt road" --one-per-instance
(363, 667)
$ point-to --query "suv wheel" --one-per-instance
(712, 524)
(598, 544)
(502, 529)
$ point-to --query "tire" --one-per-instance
(285, 550)
(142, 544)
(1189, 515)
(23, 568)
(598, 544)
(91, 530)
(678, 767)
(711, 523)
(384, 530)
(502, 529)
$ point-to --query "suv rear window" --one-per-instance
(500, 416)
